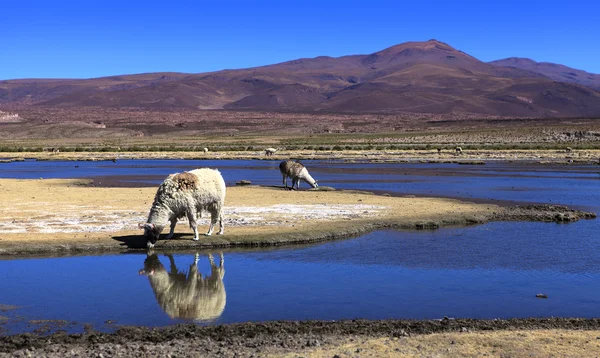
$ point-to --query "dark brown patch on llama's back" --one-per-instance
(186, 181)
(290, 167)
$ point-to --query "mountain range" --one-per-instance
(414, 77)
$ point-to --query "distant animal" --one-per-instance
(186, 194)
(205, 150)
(190, 296)
(459, 150)
(55, 150)
(270, 151)
(569, 149)
(296, 172)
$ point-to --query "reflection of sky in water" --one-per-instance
(486, 271)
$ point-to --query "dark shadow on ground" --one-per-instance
(139, 241)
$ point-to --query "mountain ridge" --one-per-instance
(412, 77)
(554, 71)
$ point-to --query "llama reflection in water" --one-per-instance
(188, 296)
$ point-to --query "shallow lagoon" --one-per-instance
(487, 271)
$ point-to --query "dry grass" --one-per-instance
(527, 343)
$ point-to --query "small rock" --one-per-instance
(243, 182)
(541, 295)
(313, 343)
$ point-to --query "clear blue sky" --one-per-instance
(87, 38)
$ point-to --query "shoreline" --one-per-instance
(467, 157)
(320, 338)
(70, 216)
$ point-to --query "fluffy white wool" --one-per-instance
(202, 191)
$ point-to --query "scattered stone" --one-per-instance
(322, 188)
(541, 295)
(313, 343)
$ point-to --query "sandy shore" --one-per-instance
(584, 156)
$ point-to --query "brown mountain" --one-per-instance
(414, 77)
(554, 71)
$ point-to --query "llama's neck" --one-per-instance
(307, 177)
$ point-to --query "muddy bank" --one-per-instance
(546, 213)
(259, 339)
(72, 216)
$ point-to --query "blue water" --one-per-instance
(486, 271)
(568, 185)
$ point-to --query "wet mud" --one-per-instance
(545, 213)
(255, 339)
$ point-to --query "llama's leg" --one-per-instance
(193, 223)
(214, 217)
(221, 226)
(172, 232)
(285, 181)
